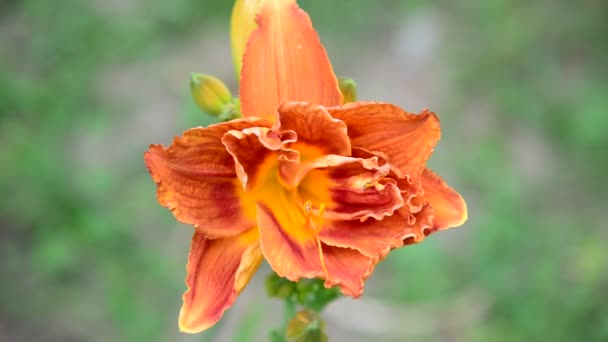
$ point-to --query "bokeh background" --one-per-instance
(521, 87)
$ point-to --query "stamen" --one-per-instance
(316, 222)
(321, 257)
(321, 215)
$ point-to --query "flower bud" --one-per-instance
(306, 326)
(210, 94)
(348, 87)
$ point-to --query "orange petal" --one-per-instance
(348, 188)
(218, 270)
(196, 179)
(385, 226)
(375, 238)
(406, 139)
(421, 223)
(347, 269)
(361, 204)
(285, 61)
(360, 190)
(256, 151)
(289, 246)
(296, 253)
(249, 151)
(449, 207)
(303, 133)
(314, 126)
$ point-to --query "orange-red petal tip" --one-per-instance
(449, 207)
(464, 213)
(217, 270)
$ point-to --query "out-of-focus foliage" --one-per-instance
(81, 258)
(534, 171)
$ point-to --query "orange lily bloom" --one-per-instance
(318, 188)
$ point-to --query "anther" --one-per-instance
(307, 206)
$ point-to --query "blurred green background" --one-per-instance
(521, 87)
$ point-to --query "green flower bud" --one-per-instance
(348, 87)
(211, 94)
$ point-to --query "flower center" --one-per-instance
(299, 209)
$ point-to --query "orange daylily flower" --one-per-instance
(318, 188)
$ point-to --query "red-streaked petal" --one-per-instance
(360, 190)
(374, 238)
(406, 139)
(296, 254)
(196, 179)
(218, 270)
(348, 269)
(348, 188)
(449, 207)
(289, 246)
(285, 61)
(361, 204)
(314, 127)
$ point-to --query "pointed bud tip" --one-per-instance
(195, 79)
(348, 87)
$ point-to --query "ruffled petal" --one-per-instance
(196, 179)
(420, 224)
(348, 269)
(375, 238)
(218, 270)
(252, 151)
(315, 128)
(406, 139)
(391, 227)
(285, 61)
(449, 207)
(346, 188)
(360, 190)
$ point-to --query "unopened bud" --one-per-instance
(210, 94)
(348, 87)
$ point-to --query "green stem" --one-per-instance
(290, 309)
